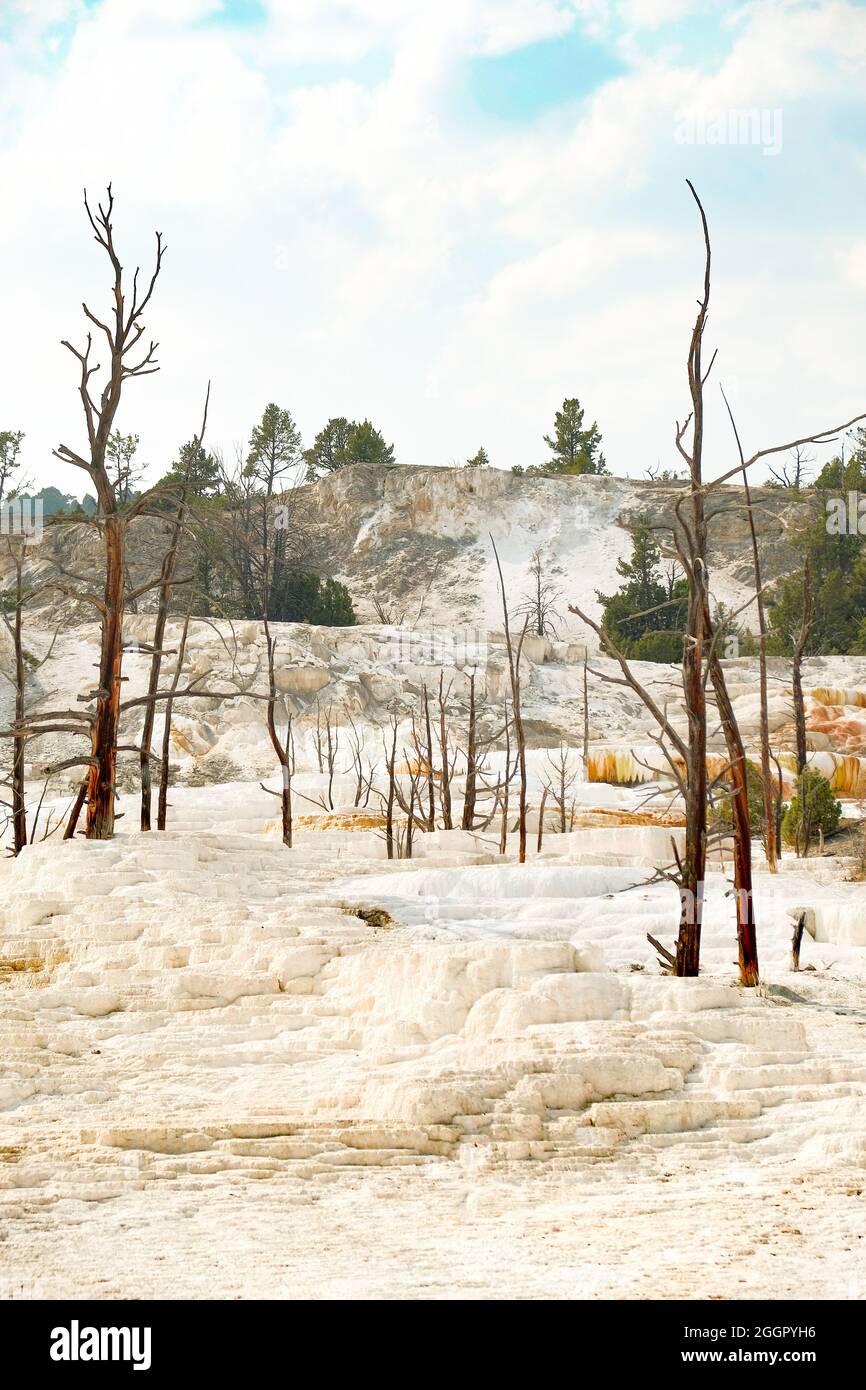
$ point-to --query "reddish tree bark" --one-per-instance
(747, 943)
(123, 332)
(165, 591)
(766, 773)
(470, 786)
(519, 735)
(445, 777)
(800, 641)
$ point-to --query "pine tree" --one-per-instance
(10, 462)
(575, 449)
(479, 460)
(196, 469)
(275, 448)
(343, 442)
(646, 616)
(837, 564)
(126, 473)
(367, 445)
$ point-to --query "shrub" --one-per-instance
(722, 816)
(300, 597)
(814, 810)
(657, 646)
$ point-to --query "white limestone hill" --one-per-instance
(418, 539)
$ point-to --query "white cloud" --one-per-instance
(354, 248)
(651, 14)
(854, 264)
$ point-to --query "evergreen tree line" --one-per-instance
(250, 542)
(833, 556)
(276, 449)
(646, 615)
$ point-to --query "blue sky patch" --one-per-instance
(239, 13)
(530, 81)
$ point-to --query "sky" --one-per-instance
(446, 218)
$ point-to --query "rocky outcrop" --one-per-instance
(417, 540)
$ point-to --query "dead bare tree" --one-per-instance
(415, 773)
(363, 779)
(766, 773)
(697, 635)
(281, 742)
(585, 722)
(236, 532)
(18, 805)
(164, 596)
(514, 656)
(123, 333)
(467, 821)
(541, 810)
(390, 768)
(75, 812)
(700, 661)
(800, 640)
(332, 747)
(560, 781)
(747, 946)
(447, 761)
(317, 739)
(12, 606)
(388, 615)
(326, 741)
(504, 797)
(539, 605)
(691, 540)
(795, 474)
(479, 789)
(797, 938)
(165, 751)
(428, 759)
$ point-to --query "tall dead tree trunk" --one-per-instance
(122, 332)
(585, 721)
(75, 812)
(766, 772)
(693, 557)
(165, 749)
(691, 541)
(747, 943)
(282, 746)
(800, 640)
(541, 810)
(445, 776)
(506, 786)
(103, 774)
(145, 751)
(14, 623)
(514, 677)
(165, 592)
(410, 815)
(390, 768)
(19, 743)
(22, 666)
(467, 821)
(428, 757)
(690, 538)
